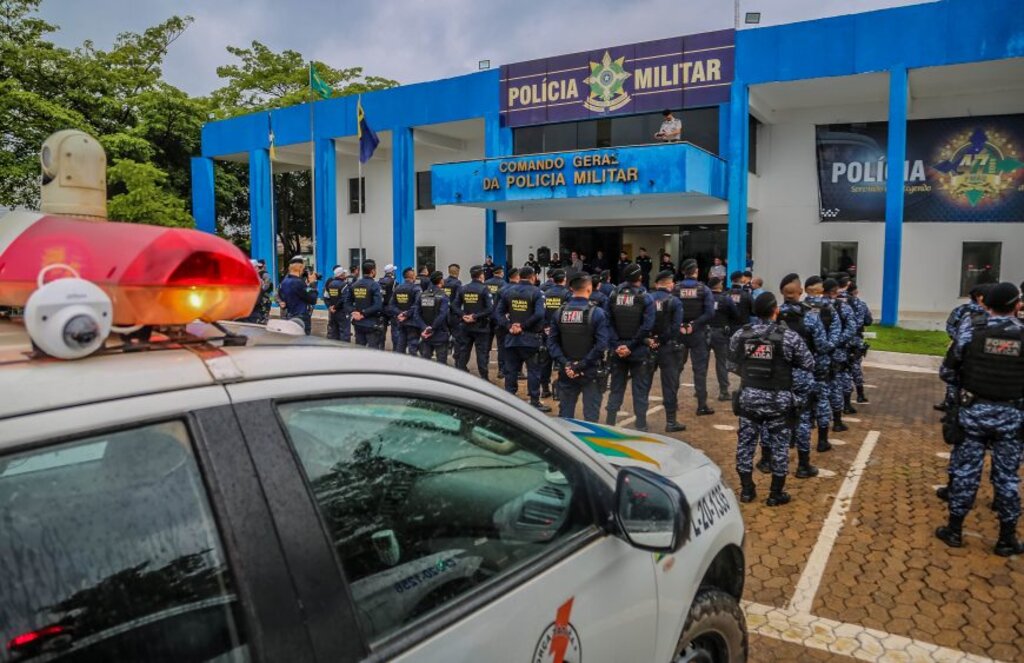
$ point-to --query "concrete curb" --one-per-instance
(903, 361)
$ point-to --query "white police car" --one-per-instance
(226, 493)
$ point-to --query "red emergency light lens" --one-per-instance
(25, 639)
(153, 275)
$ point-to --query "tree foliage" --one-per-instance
(149, 128)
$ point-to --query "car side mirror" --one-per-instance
(651, 511)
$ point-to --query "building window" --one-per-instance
(424, 199)
(509, 256)
(355, 195)
(426, 256)
(979, 264)
(528, 140)
(353, 259)
(838, 257)
(752, 144)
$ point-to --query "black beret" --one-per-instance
(436, 276)
(688, 264)
(525, 272)
(666, 274)
(787, 279)
(812, 281)
(735, 276)
(475, 271)
(830, 284)
(1002, 296)
(557, 274)
(632, 272)
(579, 280)
(765, 304)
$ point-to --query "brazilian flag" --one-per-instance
(368, 140)
(318, 85)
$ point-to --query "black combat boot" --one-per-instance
(778, 496)
(672, 424)
(837, 422)
(847, 405)
(704, 410)
(747, 491)
(725, 396)
(952, 534)
(823, 443)
(610, 418)
(861, 398)
(545, 390)
(540, 406)
(1008, 543)
(765, 464)
(942, 492)
(640, 424)
(941, 407)
(804, 469)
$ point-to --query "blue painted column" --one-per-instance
(738, 156)
(326, 205)
(261, 214)
(203, 206)
(895, 157)
(403, 177)
(497, 143)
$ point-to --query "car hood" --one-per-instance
(620, 447)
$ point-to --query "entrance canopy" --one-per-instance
(650, 181)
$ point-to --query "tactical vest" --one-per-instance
(720, 320)
(495, 285)
(472, 299)
(824, 310)
(795, 320)
(577, 336)
(693, 300)
(334, 288)
(627, 307)
(361, 296)
(993, 365)
(763, 364)
(403, 297)
(520, 306)
(554, 297)
(744, 305)
(387, 287)
(429, 303)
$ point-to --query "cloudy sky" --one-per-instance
(413, 40)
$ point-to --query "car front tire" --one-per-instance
(715, 630)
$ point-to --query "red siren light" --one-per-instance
(153, 275)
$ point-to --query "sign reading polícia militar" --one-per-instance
(968, 169)
(681, 72)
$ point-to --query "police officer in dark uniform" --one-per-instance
(501, 332)
(665, 344)
(473, 306)
(333, 290)
(821, 306)
(405, 334)
(365, 304)
(646, 264)
(387, 288)
(698, 308)
(555, 294)
(520, 311)
(494, 284)
(860, 346)
(838, 392)
(424, 278)
(431, 315)
(986, 365)
(457, 337)
(597, 296)
(620, 267)
(740, 294)
(776, 374)
(725, 318)
(577, 343)
(630, 323)
(607, 287)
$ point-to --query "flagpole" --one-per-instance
(361, 188)
(312, 166)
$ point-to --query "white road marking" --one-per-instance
(655, 398)
(944, 455)
(871, 386)
(723, 427)
(838, 442)
(686, 384)
(627, 421)
(826, 474)
(810, 579)
(853, 640)
(853, 419)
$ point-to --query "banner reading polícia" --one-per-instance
(681, 72)
(960, 170)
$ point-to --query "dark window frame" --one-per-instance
(356, 195)
(968, 281)
(424, 186)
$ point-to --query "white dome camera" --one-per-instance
(68, 318)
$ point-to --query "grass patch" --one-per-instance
(895, 339)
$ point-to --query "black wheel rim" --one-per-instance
(706, 648)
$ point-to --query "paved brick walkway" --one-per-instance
(861, 576)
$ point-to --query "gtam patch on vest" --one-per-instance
(688, 293)
(625, 299)
(759, 350)
(1004, 347)
(572, 316)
